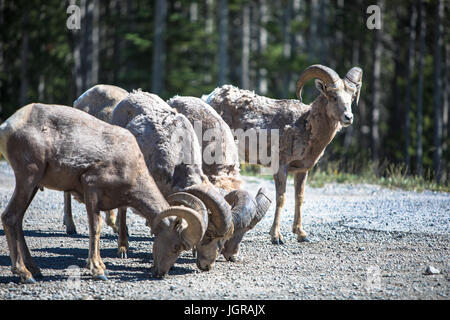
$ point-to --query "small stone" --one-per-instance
(361, 249)
(430, 270)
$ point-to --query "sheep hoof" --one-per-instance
(28, 281)
(71, 231)
(277, 241)
(122, 252)
(101, 277)
(301, 239)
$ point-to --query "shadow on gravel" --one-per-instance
(44, 278)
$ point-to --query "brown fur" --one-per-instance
(61, 148)
(304, 132)
(99, 101)
(247, 211)
(154, 123)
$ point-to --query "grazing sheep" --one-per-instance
(173, 157)
(215, 136)
(61, 148)
(304, 130)
(99, 101)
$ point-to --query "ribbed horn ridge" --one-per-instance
(220, 217)
(327, 75)
(243, 207)
(354, 77)
(196, 228)
(190, 201)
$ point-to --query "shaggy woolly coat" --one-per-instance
(304, 130)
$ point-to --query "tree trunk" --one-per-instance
(437, 102)
(95, 42)
(409, 68)
(322, 31)
(245, 62)
(118, 43)
(287, 14)
(209, 16)
(223, 41)
(446, 94)
(159, 54)
(86, 52)
(312, 47)
(263, 36)
(376, 95)
(296, 39)
(422, 26)
(2, 68)
(446, 103)
(24, 50)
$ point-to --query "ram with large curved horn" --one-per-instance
(215, 136)
(62, 148)
(304, 129)
(173, 157)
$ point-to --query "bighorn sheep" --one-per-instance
(173, 157)
(304, 130)
(62, 148)
(99, 101)
(222, 168)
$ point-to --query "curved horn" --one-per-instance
(190, 201)
(196, 228)
(243, 208)
(263, 202)
(354, 77)
(323, 73)
(221, 217)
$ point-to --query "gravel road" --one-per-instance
(367, 242)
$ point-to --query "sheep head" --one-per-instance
(339, 93)
(177, 229)
(220, 224)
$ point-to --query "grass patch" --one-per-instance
(387, 175)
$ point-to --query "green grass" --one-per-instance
(388, 175)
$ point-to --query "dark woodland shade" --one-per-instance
(199, 44)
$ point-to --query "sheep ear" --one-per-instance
(321, 87)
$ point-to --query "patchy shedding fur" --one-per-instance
(304, 130)
(172, 153)
(224, 173)
(247, 211)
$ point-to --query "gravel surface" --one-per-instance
(367, 242)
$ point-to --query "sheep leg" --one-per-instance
(110, 219)
(68, 218)
(123, 234)
(94, 262)
(299, 183)
(280, 187)
(12, 218)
